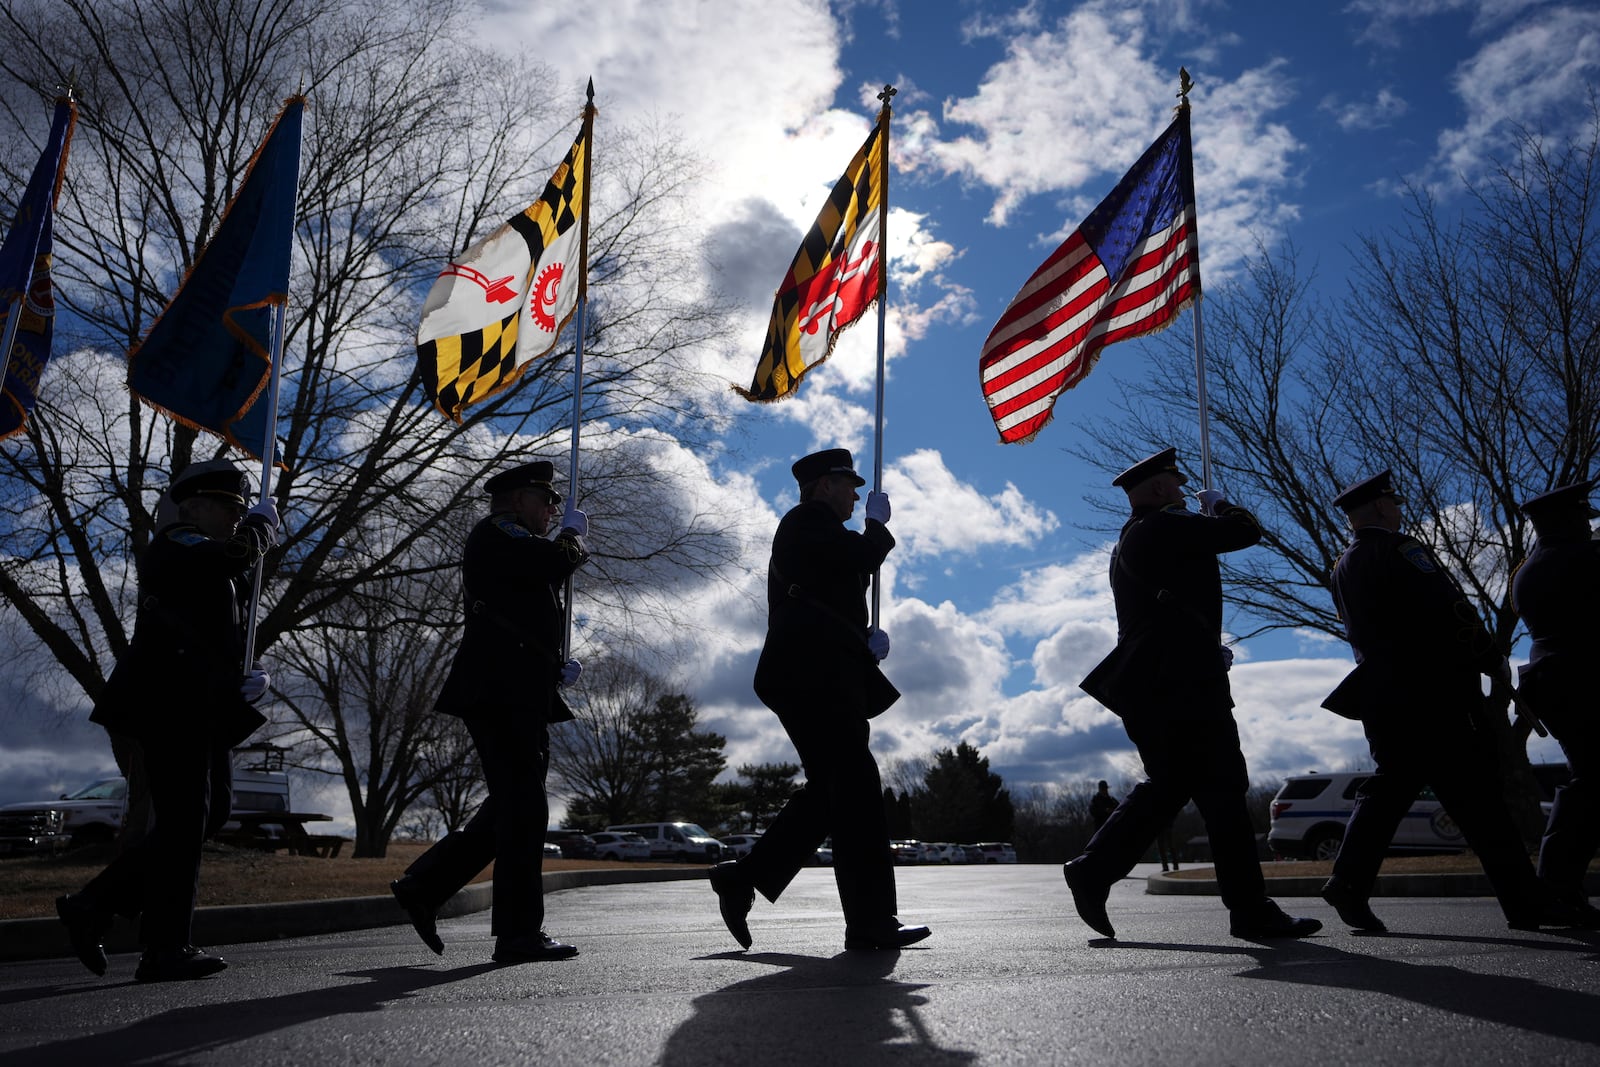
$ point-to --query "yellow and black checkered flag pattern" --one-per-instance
(832, 282)
(503, 303)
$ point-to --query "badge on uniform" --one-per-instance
(512, 527)
(1419, 557)
(186, 536)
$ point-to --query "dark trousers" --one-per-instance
(1195, 757)
(1572, 833)
(1459, 763)
(842, 799)
(157, 879)
(507, 830)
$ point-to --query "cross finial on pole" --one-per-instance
(887, 94)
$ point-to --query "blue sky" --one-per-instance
(1011, 123)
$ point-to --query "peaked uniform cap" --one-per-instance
(808, 469)
(213, 478)
(1561, 502)
(539, 474)
(1380, 484)
(1163, 462)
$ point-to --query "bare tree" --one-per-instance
(410, 154)
(598, 764)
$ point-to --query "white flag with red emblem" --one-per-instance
(503, 302)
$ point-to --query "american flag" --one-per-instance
(1128, 270)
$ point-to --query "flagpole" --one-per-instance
(1184, 85)
(269, 444)
(883, 311)
(12, 318)
(577, 359)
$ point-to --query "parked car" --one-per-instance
(974, 853)
(95, 812)
(738, 846)
(949, 853)
(825, 853)
(573, 844)
(1310, 811)
(552, 851)
(906, 851)
(683, 842)
(997, 852)
(619, 846)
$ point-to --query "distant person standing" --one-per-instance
(1420, 649)
(819, 672)
(1168, 679)
(504, 684)
(1557, 593)
(1165, 850)
(183, 696)
(1101, 805)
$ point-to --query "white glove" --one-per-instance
(878, 645)
(255, 684)
(1227, 657)
(1209, 499)
(570, 669)
(575, 520)
(267, 513)
(878, 508)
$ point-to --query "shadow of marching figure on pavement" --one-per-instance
(844, 1009)
(1517, 1003)
(203, 1030)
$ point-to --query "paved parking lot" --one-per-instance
(1009, 976)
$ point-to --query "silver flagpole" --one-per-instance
(12, 318)
(883, 312)
(577, 358)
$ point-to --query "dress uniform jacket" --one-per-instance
(1557, 593)
(510, 654)
(816, 648)
(1417, 640)
(1167, 585)
(182, 670)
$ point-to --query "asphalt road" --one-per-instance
(1009, 976)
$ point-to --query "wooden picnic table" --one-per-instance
(272, 830)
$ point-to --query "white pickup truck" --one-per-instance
(95, 812)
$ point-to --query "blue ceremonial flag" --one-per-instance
(25, 289)
(208, 358)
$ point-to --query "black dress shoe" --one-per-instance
(531, 948)
(177, 965)
(887, 934)
(86, 930)
(1267, 920)
(735, 897)
(423, 921)
(1352, 907)
(1559, 914)
(1089, 897)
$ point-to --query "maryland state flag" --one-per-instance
(502, 304)
(834, 279)
(207, 360)
(25, 289)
